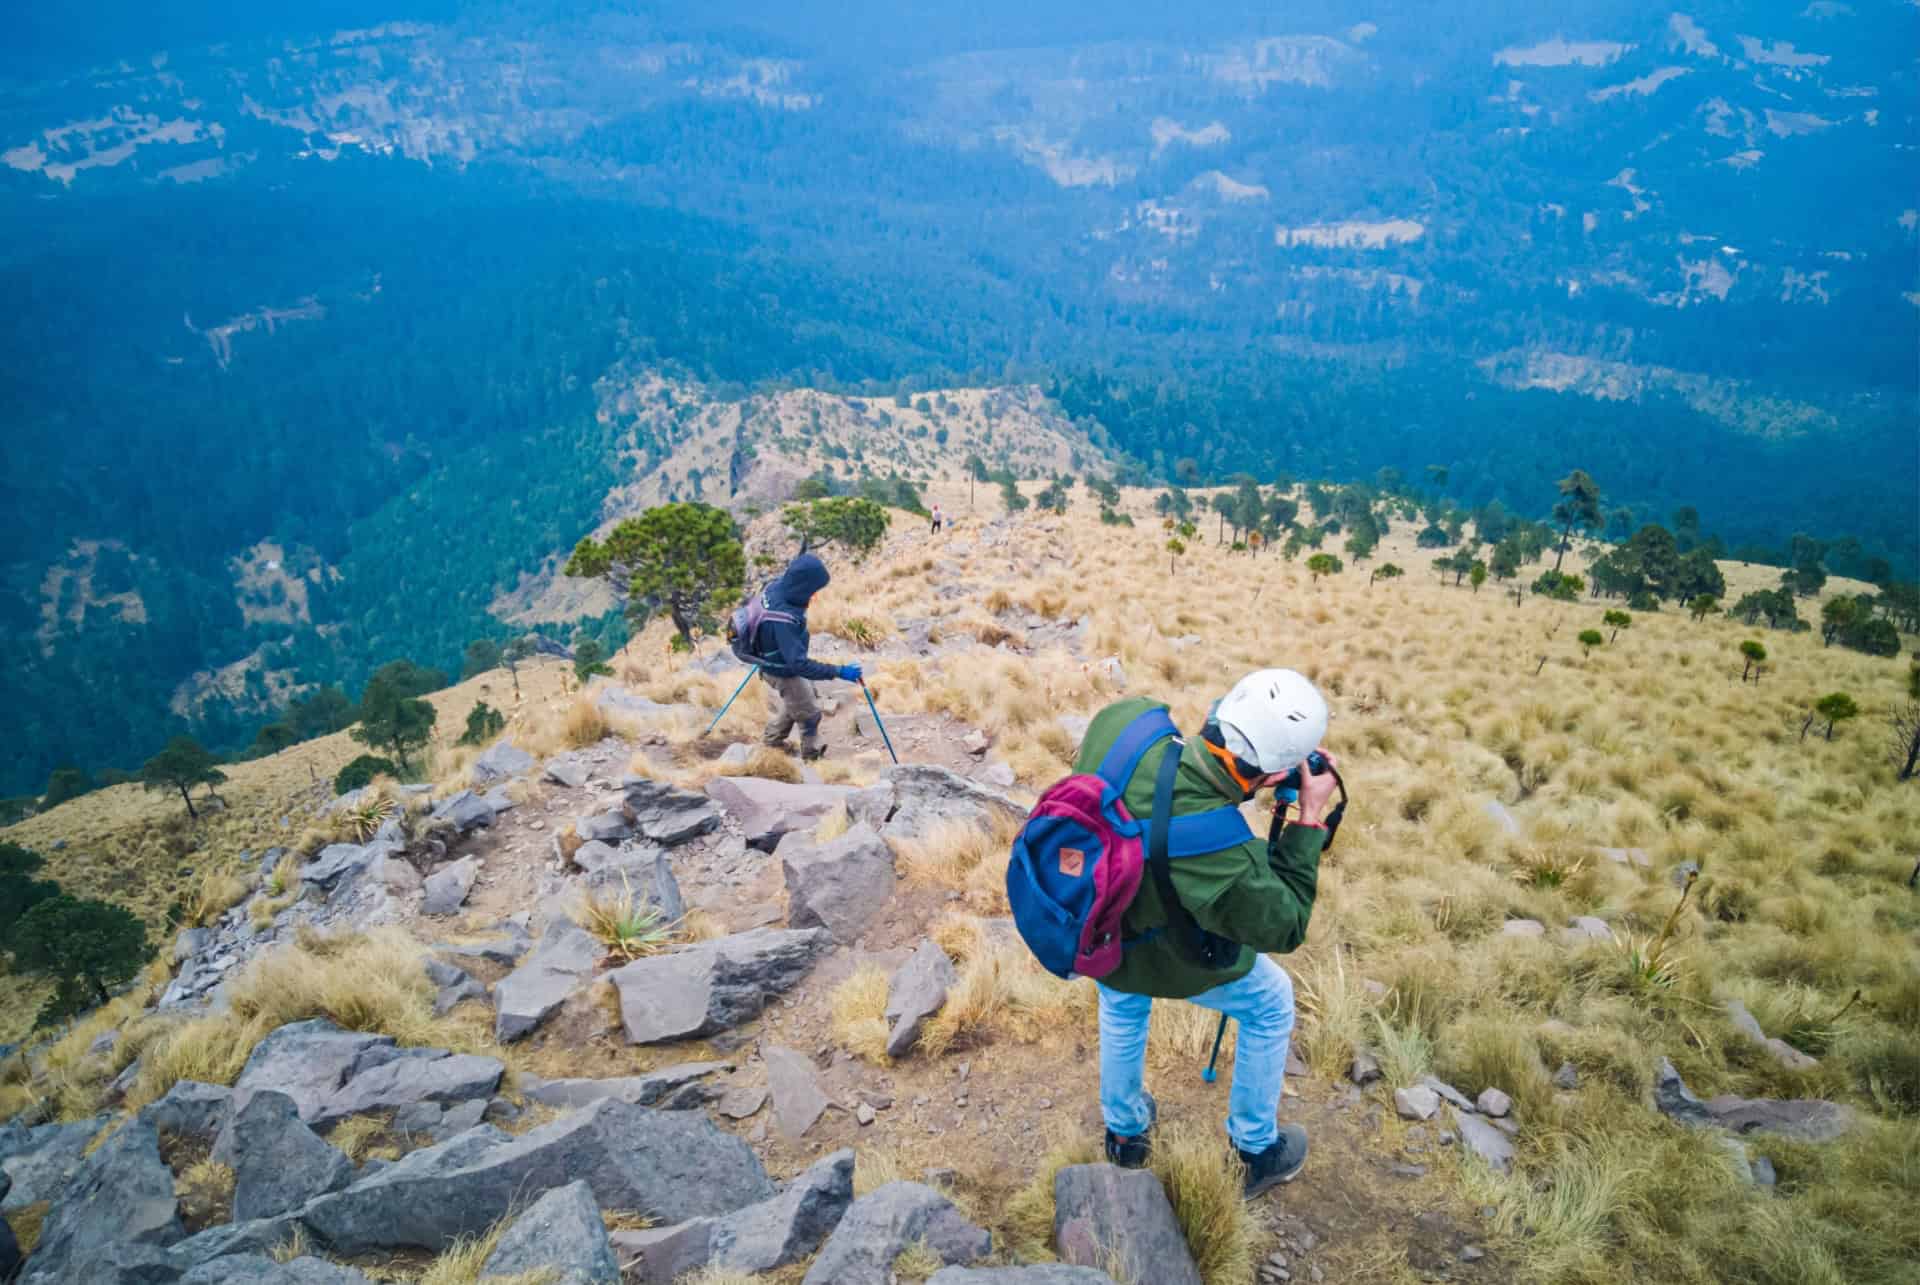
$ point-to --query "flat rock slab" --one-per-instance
(308, 1061)
(759, 1238)
(713, 985)
(562, 963)
(674, 1088)
(464, 811)
(447, 887)
(1801, 1119)
(1481, 1138)
(916, 991)
(924, 795)
(1111, 1217)
(674, 1164)
(882, 1223)
(566, 770)
(1416, 1102)
(766, 810)
(39, 1161)
(190, 1109)
(415, 1075)
(667, 814)
(839, 886)
(259, 1269)
(501, 762)
(116, 1212)
(1523, 928)
(279, 1163)
(562, 1235)
(797, 1100)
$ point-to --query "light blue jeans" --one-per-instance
(1261, 1003)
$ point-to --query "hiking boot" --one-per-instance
(1134, 1152)
(1279, 1163)
(810, 753)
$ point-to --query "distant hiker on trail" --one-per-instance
(779, 645)
(937, 520)
(1234, 897)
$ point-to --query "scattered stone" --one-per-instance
(1523, 928)
(1120, 1220)
(398, 874)
(1567, 1077)
(767, 809)
(456, 986)
(674, 1164)
(611, 827)
(594, 855)
(1447, 1092)
(712, 985)
(561, 1233)
(1407, 1171)
(340, 864)
(447, 887)
(736, 755)
(113, 1219)
(882, 1223)
(1471, 1253)
(279, 1163)
(501, 762)
(976, 743)
(1781, 1051)
(413, 1075)
(924, 794)
(565, 959)
(260, 1269)
(1365, 1069)
(1416, 1103)
(1295, 1067)
(1801, 1119)
(1587, 928)
(308, 1061)
(917, 990)
(864, 1114)
(1497, 811)
(565, 769)
(797, 1099)
(759, 1238)
(1113, 671)
(1075, 726)
(674, 1088)
(998, 775)
(666, 813)
(465, 811)
(1481, 1138)
(190, 943)
(839, 886)
(1492, 1102)
(190, 1109)
(742, 1101)
(507, 950)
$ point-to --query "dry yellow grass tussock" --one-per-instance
(857, 1005)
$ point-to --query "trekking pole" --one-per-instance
(730, 700)
(874, 710)
(1210, 1075)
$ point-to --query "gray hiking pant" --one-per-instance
(797, 708)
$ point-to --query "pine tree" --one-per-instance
(183, 764)
(685, 557)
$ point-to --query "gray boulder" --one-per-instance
(114, 1218)
(567, 770)
(917, 990)
(1481, 1138)
(594, 855)
(464, 811)
(673, 1164)
(1416, 1102)
(673, 1089)
(646, 874)
(882, 1223)
(924, 794)
(713, 985)
(508, 949)
(768, 809)
(611, 827)
(1497, 813)
(797, 1100)
(1107, 1216)
(563, 962)
(501, 762)
(447, 887)
(259, 1269)
(308, 1061)
(278, 1162)
(1523, 928)
(758, 1238)
(666, 813)
(1586, 928)
(1779, 1050)
(456, 986)
(1492, 1102)
(1447, 1092)
(38, 1161)
(189, 943)
(190, 1109)
(339, 864)
(1801, 1119)
(1041, 1274)
(839, 886)
(561, 1233)
(414, 1075)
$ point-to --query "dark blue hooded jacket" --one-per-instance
(783, 646)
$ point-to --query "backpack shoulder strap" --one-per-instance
(1199, 833)
(1147, 729)
(1186, 934)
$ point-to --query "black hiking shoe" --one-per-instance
(811, 753)
(1279, 1163)
(1133, 1153)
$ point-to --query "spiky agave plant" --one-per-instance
(1654, 963)
(629, 927)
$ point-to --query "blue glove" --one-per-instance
(850, 672)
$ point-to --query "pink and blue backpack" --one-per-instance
(1077, 863)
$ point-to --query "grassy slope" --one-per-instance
(1649, 742)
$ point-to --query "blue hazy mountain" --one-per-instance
(332, 293)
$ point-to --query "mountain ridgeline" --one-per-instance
(319, 337)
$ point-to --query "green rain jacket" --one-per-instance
(1241, 894)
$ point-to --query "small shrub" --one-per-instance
(483, 724)
(629, 927)
(361, 771)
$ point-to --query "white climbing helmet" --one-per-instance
(1273, 717)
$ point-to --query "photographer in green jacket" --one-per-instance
(1249, 899)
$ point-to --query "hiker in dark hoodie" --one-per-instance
(781, 644)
